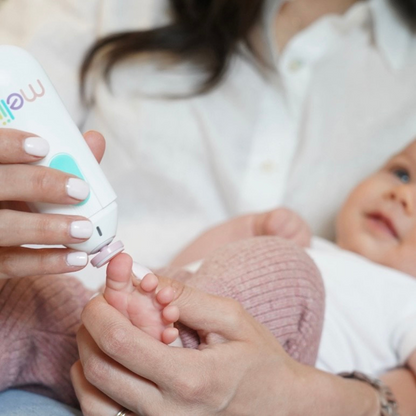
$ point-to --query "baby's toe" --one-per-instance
(169, 335)
(149, 283)
(165, 295)
(170, 314)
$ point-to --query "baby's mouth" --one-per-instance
(383, 222)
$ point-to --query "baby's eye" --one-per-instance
(402, 173)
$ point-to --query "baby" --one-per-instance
(370, 316)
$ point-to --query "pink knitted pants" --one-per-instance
(39, 319)
(275, 281)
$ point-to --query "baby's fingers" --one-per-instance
(21, 147)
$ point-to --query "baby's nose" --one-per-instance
(405, 195)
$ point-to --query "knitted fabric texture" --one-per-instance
(275, 281)
(39, 318)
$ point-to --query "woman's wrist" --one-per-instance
(387, 400)
(325, 394)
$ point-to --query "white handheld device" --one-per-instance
(29, 102)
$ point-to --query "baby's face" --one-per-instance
(378, 219)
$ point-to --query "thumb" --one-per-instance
(96, 143)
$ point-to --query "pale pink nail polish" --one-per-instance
(77, 259)
(36, 146)
(140, 271)
(77, 189)
(95, 295)
(81, 229)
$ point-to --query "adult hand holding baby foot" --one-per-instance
(22, 183)
(241, 371)
(154, 378)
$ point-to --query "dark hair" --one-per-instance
(407, 11)
(206, 32)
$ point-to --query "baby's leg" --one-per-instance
(276, 282)
(138, 300)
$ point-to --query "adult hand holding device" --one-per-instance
(22, 183)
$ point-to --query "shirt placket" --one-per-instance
(270, 156)
(276, 136)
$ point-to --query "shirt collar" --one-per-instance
(393, 37)
(261, 36)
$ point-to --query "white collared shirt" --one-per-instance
(341, 100)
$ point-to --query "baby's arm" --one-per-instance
(281, 222)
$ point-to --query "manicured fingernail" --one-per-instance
(36, 146)
(77, 189)
(77, 259)
(140, 271)
(81, 229)
(95, 295)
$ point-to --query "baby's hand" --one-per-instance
(284, 223)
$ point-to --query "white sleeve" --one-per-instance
(404, 338)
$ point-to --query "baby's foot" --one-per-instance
(138, 300)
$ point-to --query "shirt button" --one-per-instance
(295, 65)
(268, 166)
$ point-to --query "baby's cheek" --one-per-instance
(350, 239)
(370, 248)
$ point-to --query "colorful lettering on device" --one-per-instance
(17, 100)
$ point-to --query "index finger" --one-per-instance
(21, 147)
(119, 339)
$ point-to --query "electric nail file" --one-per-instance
(29, 102)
